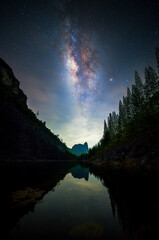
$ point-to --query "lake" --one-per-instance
(79, 202)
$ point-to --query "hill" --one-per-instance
(22, 134)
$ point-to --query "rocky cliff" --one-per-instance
(8, 79)
(22, 135)
(79, 149)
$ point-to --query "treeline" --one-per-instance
(139, 103)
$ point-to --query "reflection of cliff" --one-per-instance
(79, 172)
(26, 185)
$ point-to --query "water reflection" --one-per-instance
(23, 185)
(80, 172)
(135, 201)
(77, 202)
(75, 209)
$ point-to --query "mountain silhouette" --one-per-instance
(79, 149)
(22, 134)
(79, 172)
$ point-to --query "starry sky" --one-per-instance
(75, 58)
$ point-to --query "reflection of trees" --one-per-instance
(134, 199)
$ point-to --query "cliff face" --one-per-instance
(78, 149)
(8, 79)
(22, 135)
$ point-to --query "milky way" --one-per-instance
(82, 62)
(76, 58)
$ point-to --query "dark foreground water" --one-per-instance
(76, 202)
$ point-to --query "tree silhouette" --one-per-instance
(157, 58)
(151, 82)
(131, 106)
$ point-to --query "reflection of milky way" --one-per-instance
(82, 62)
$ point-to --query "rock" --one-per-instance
(79, 149)
(8, 79)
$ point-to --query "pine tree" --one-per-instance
(157, 58)
(105, 128)
(134, 99)
(125, 117)
(140, 87)
(121, 117)
(106, 137)
(110, 125)
(137, 97)
(114, 123)
(151, 82)
(129, 107)
(138, 80)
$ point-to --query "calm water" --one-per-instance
(79, 203)
(78, 207)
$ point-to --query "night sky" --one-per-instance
(75, 59)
